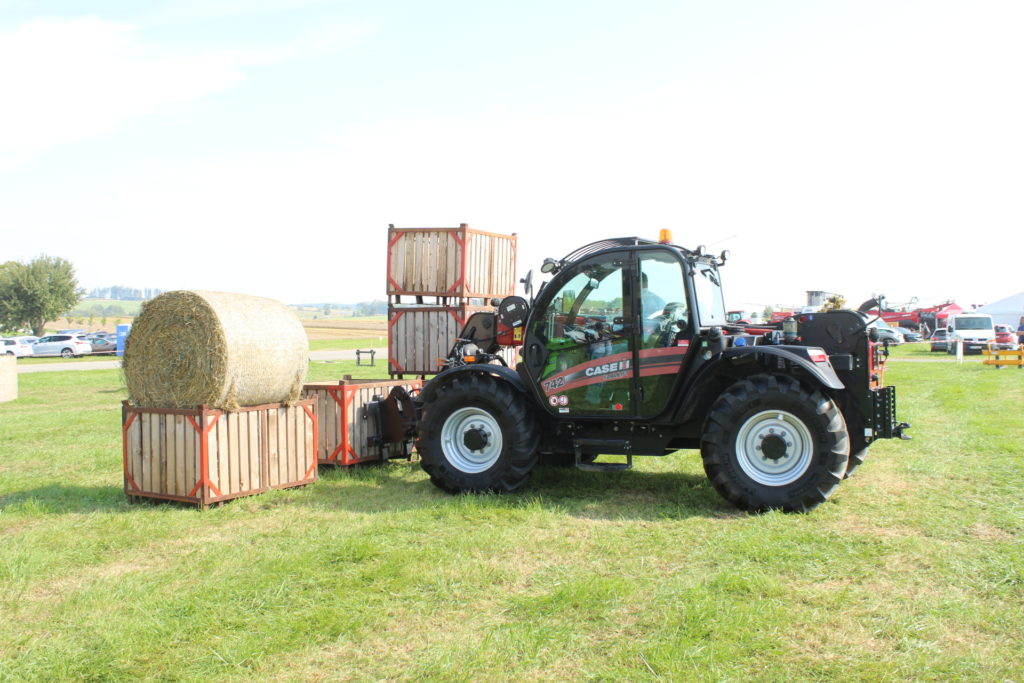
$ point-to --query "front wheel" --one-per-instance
(770, 443)
(477, 434)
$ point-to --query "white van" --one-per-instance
(974, 330)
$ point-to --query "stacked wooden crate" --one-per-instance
(437, 278)
(348, 434)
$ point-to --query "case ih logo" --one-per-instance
(607, 368)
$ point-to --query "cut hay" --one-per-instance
(223, 350)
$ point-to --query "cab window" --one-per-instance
(590, 355)
(708, 290)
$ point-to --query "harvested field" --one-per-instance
(347, 328)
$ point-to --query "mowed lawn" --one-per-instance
(914, 569)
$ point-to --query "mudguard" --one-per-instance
(500, 371)
(800, 355)
(710, 379)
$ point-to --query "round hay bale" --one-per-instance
(190, 348)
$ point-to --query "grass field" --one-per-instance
(913, 570)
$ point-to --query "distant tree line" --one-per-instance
(377, 307)
(124, 293)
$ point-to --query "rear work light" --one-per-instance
(818, 355)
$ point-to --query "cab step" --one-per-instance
(612, 446)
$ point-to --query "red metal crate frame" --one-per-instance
(452, 310)
(455, 290)
(204, 486)
(343, 394)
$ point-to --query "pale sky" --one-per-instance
(263, 146)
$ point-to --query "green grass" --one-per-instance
(914, 570)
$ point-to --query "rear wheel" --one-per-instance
(477, 434)
(770, 443)
(67, 353)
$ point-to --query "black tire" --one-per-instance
(477, 410)
(67, 353)
(858, 451)
(804, 431)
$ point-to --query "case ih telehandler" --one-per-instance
(626, 350)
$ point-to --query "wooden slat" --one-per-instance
(145, 469)
(181, 484)
(168, 468)
(273, 448)
(223, 456)
(255, 460)
(135, 451)
(293, 445)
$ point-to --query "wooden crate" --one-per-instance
(206, 456)
(346, 430)
(450, 262)
(419, 335)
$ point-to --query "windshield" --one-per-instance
(708, 288)
(979, 323)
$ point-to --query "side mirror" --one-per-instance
(528, 284)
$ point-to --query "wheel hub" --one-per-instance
(774, 447)
(475, 438)
(471, 440)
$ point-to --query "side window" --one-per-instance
(663, 310)
(589, 367)
(708, 289)
(666, 330)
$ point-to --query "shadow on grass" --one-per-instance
(59, 499)
(630, 495)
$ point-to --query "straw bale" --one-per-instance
(224, 350)
(8, 378)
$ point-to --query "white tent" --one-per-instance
(1007, 311)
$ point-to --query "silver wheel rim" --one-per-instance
(774, 447)
(469, 422)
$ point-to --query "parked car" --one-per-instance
(886, 333)
(103, 345)
(66, 345)
(974, 331)
(1006, 338)
(940, 339)
(909, 335)
(13, 347)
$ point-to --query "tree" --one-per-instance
(327, 310)
(30, 294)
(767, 313)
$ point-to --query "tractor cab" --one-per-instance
(609, 334)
